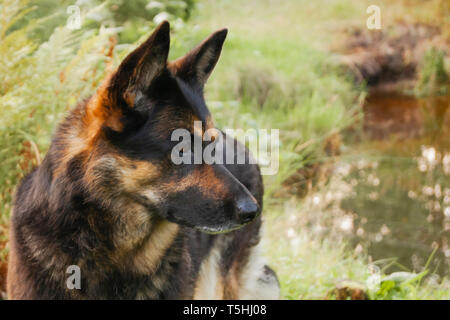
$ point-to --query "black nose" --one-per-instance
(247, 210)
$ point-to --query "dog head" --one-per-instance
(131, 119)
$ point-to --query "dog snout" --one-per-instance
(247, 210)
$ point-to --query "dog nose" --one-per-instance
(247, 210)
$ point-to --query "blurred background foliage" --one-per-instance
(132, 17)
(281, 68)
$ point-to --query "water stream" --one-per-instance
(399, 177)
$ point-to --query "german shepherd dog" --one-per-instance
(108, 199)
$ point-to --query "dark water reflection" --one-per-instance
(399, 175)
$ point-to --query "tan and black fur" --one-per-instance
(108, 199)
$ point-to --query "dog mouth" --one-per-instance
(218, 228)
(223, 228)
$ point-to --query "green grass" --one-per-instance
(433, 78)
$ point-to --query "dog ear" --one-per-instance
(196, 66)
(138, 70)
